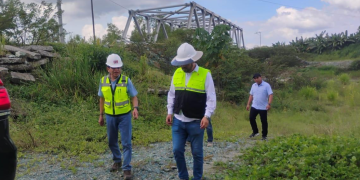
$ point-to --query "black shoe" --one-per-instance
(264, 138)
(253, 135)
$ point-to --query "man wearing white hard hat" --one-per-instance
(115, 92)
(192, 100)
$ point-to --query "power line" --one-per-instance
(305, 8)
(118, 4)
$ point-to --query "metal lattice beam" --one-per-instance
(189, 15)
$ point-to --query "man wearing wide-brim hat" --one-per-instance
(192, 100)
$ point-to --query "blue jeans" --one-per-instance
(180, 132)
(209, 132)
(120, 123)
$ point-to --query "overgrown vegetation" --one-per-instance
(299, 157)
(58, 114)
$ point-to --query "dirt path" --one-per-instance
(152, 162)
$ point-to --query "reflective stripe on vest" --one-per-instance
(116, 101)
(196, 82)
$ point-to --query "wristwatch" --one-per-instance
(207, 117)
(136, 107)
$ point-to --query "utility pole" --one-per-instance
(61, 30)
(92, 12)
(260, 36)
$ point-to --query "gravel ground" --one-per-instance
(155, 161)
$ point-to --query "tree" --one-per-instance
(7, 16)
(30, 23)
(113, 35)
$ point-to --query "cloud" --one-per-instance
(100, 30)
(82, 8)
(120, 22)
(305, 20)
(289, 23)
(87, 31)
(346, 4)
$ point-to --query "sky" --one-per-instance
(276, 20)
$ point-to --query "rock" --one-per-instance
(10, 56)
(38, 63)
(4, 72)
(12, 60)
(167, 170)
(47, 54)
(37, 48)
(20, 54)
(29, 54)
(19, 77)
(159, 91)
(173, 167)
(19, 67)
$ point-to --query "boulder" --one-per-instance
(20, 54)
(12, 60)
(18, 67)
(21, 77)
(29, 54)
(37, 48)
(47, 54)
(4, 72)
(38, 63)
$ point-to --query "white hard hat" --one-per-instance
(186, 54)
(114, 61)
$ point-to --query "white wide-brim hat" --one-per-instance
(186, 54)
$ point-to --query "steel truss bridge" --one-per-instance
(189, 15)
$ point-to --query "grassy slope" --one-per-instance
(351, 52)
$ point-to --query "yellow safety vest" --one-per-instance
(117, 101)
(190, 98)
(196, 82)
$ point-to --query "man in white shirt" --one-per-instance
(261, 96)
(192, 100)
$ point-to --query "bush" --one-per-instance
(308, 92)
(299, 157)
(332, 95)
(355, 65)
(344, 79)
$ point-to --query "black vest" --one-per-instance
(191, 103)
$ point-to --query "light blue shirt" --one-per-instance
(260, 95)
(131, 91)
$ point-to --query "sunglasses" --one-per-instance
(114, 67)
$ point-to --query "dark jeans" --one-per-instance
(263, 116)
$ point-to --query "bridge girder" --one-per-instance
(189, 15)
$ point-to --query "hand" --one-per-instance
(204, 123)
(135, 113)
(268, 107)
(101, 120)
(247, 107)
(169, 119)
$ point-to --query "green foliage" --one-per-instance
(308, 92)
(300, 157)
(143, 65)
(33, 20)
(113, 35)
(355, 65)
(344, 78)
(332, 95)
(325, 42)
